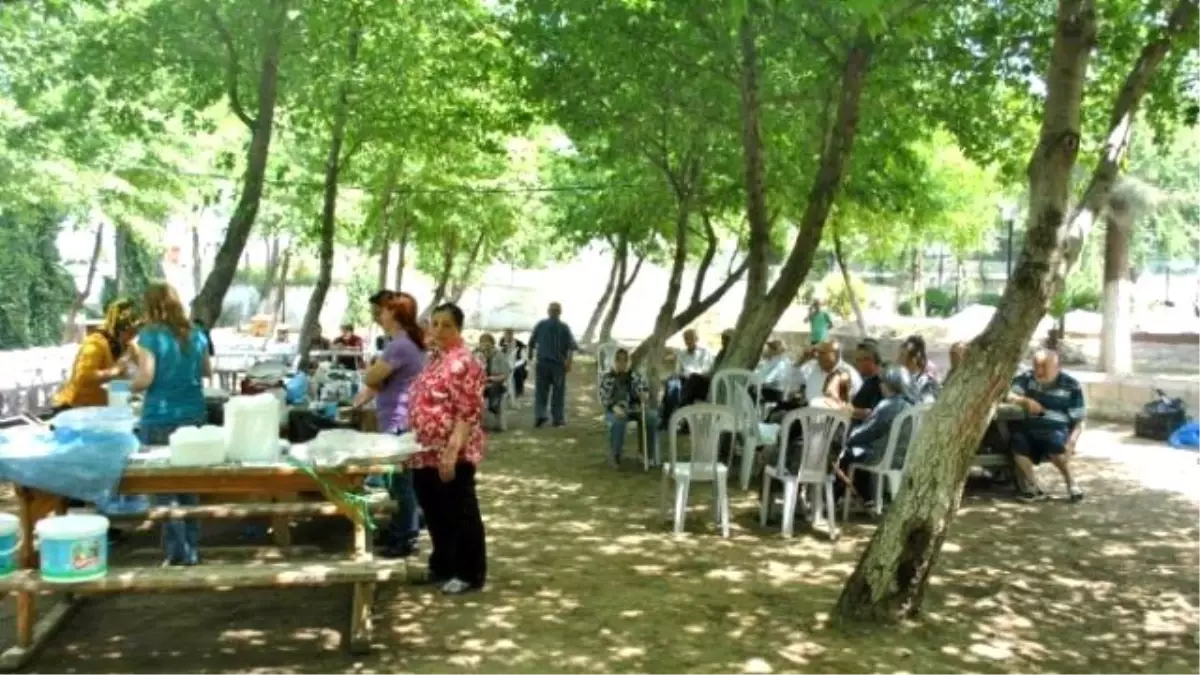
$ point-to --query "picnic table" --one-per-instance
(276, 489)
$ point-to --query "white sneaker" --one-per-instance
(456, 587)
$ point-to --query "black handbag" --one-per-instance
(1160, 417)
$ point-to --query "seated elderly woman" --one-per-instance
(623, 393)
(496, 369)
(867, 442)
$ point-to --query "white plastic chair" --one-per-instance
(752, 432)
(903, 430)
(605, 354)
(728, 380)
(821, 429)
(705, 423)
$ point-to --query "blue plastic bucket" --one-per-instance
(10, 541)
(73, 548)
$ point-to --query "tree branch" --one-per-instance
(710, 252)
(232, 68)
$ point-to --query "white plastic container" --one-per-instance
(252, 428)
(198, 446)
(73, 548)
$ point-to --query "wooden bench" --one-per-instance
(363, 574)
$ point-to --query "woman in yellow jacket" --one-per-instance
(104, 356)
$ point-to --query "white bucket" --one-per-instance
(10, 542)
(73, 548)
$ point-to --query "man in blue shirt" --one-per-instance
(551, 348)
(1055, 409)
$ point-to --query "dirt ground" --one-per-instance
(586, 577)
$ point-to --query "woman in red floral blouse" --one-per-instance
(444, 415)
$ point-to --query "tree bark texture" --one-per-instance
(197, 258)
(333, 167)
(917, 279)
(758, 318)
(69, 328)
(1116, 343)
(755, 166)
(839, 256)
(619, 252)
(462, 280)
(893, 574)
(207, 305)
(449, 250)
(405, 230)
(625, 279)
(269, 273)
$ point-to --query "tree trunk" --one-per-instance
(1116, 343)
(405, 229)
(623, 284)
(269, 273)
(333, 167)
(917, 277)
(890, 579)
(278, 307)
(619, 253)
(449, 250)
(840, 257)
(207, 305)
(755, 170)
(759, 317)
(197, 259)
(1180, 25)
(384, 264)
(70, 329)
(464, 278)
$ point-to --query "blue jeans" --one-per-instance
(404, 527)
(616, 433)
(550, 384)
(181, 537)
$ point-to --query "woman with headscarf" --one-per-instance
(445, 416)
(387, 382)
(172, 359)
(103, 357)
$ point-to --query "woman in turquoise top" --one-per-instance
(172, 360)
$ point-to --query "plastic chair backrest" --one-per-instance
(917, 416)
(820, 429)
(728, 380)
(705, 423)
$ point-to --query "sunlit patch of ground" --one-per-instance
(586, 577)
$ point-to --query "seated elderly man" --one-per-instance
(773, 371)
(868, 441)
(827, 376)
(1055, 410)
(496, 370)
(869, 364)
(693, 365)
(623, 393)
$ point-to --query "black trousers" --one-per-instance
(455, 526)
(520, 373)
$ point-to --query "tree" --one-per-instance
(891, 578)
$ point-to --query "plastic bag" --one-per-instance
(1186, 437)
(83, 465)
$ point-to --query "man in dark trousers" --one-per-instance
(551, 348)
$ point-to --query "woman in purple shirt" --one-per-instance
(387, 382)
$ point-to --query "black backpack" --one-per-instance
(1160, 417)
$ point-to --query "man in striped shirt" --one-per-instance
(1055, 409)
(551, 347)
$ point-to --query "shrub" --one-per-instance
(939, 303)
(988, 299)
(905, 308)
(837, 300)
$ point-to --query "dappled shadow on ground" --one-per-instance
(585, 576)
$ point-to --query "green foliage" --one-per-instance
(837, 300)
(362, 285)
(301, 274)
(905, 308)
(37, 290)
(988, 299)
(939, 303)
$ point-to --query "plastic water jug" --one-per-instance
(198, 446)
(252, 428)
